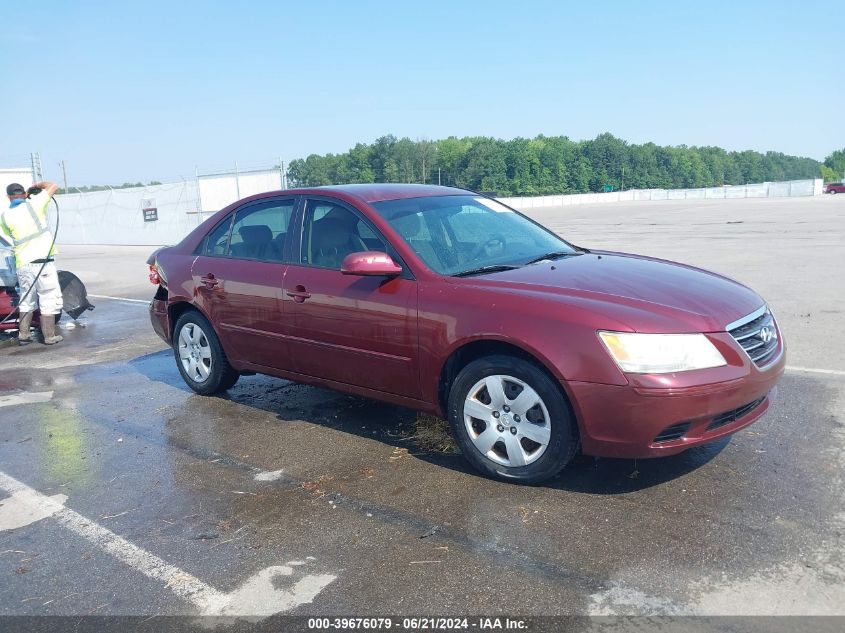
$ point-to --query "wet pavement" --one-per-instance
(314, 502)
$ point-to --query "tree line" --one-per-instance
(90, 188)
(546, 165)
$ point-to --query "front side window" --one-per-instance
(331, 232)
(260, 231)
(455, 234)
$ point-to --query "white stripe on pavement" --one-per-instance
(812, 370)
(19, 510)
(144, 301)
(25, 397)
(257, 597)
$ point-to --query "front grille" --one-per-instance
(736, 414)
(757, 334)
(674, 432)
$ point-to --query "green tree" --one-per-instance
(836, 162)
(486, 169)
(451, 156)
(828, 175)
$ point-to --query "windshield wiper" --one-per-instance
(481, 270)
(551, 256)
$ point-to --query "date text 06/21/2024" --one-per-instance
(417, 624)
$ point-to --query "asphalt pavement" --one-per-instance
(123, 493)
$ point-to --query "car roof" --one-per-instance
(379, 192)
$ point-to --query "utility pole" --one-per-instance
(438, 175)
(64, 174)
(35, 159)
(623, 177)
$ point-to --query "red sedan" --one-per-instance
(834, 187)
(449, 302)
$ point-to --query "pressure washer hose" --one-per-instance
(43, 264)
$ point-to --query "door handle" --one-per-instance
(209, 280)
(299, 294)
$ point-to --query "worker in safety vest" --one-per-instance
(24, 226)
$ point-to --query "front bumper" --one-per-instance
(649, 419)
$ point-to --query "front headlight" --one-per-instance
(637, 353)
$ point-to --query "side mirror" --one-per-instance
(370, 264)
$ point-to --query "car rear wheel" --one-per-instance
(200, 357)
(511, 420)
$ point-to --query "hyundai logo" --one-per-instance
(767, 334)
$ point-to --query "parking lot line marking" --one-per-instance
(21, 509)
(25, 397)
(257, 597)
(812, 370)
(144, 301)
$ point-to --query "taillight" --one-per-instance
(154, 278)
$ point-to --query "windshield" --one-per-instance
(455, 234)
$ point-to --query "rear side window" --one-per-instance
(260, 231)
(217, 242)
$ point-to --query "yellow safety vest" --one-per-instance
(26, 225)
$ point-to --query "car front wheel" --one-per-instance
(511, 420)
(200, 357)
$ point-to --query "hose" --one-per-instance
(40, 270)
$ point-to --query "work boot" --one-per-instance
(48, 329)
(24, 323)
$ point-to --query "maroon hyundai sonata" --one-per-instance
(450, 302)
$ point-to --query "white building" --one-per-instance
(20, 175)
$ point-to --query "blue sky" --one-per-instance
(126, 91)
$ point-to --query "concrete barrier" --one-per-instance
(787, 188)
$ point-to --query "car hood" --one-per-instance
(642, 293)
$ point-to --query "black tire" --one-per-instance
(563, 440)
(220, 374)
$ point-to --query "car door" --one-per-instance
(238, 276)
(351, 329)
